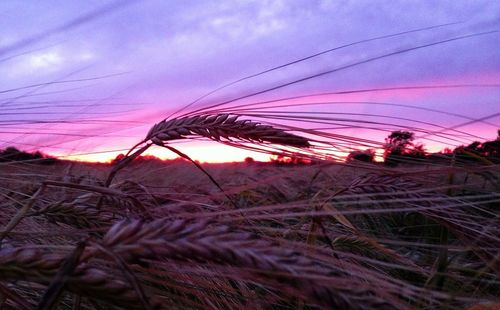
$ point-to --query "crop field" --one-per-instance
(323, 235)
(365, 191)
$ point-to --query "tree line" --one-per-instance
(400, 148)
(12, 154)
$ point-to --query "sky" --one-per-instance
(86, 80)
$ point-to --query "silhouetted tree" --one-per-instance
(417, 151)
(398, 142)
(399, 145)
(364, 156)
(492, 148)
(13, 154)
(290, 160)
(489, 150)
(447, 150)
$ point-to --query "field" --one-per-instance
(249, 155)
(286, 237)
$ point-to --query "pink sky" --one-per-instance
(85, 79)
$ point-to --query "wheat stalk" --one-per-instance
(215, 127)
(37, 266)
(462, 217)
(80, 216)
(222, 126)
(187, 241)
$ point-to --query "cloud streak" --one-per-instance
(174, 52)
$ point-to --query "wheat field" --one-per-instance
(332, 221)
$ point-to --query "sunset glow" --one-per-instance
(91, 90)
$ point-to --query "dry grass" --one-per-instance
(343, 238)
